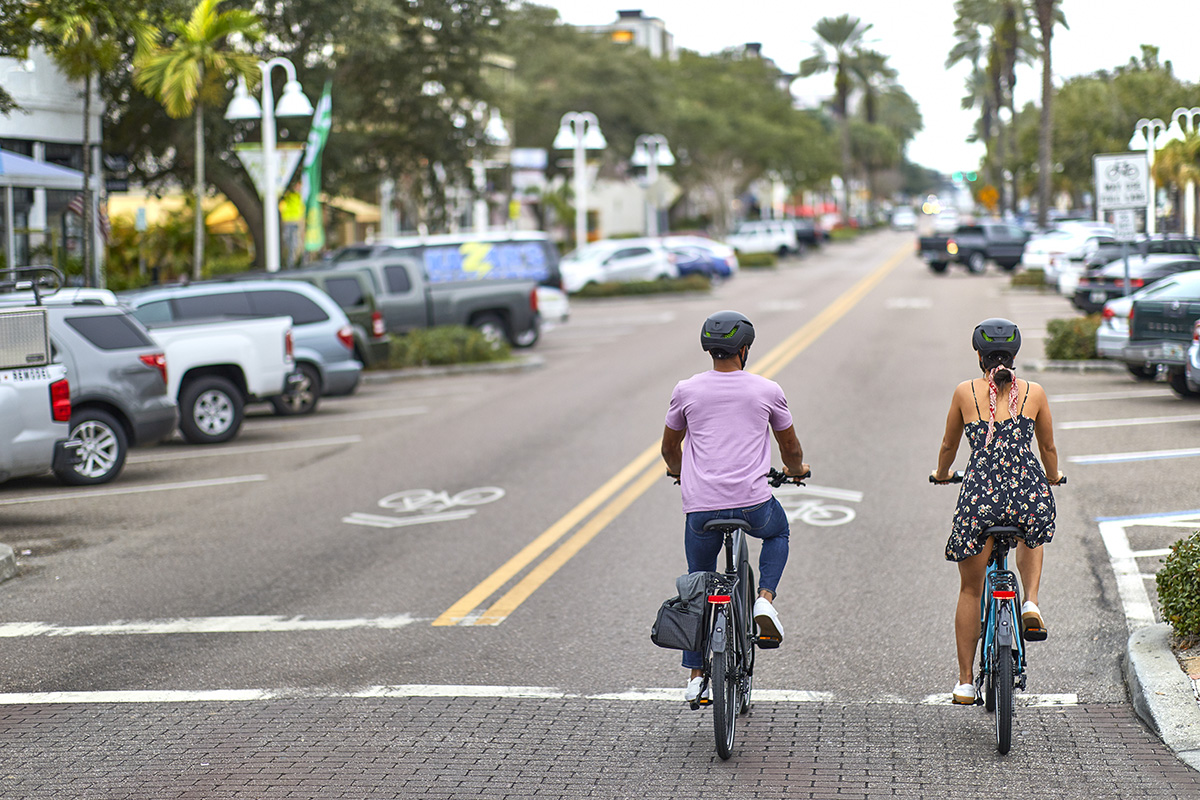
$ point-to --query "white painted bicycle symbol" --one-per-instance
(802, 504)
(426, 505)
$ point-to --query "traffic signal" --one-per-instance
(957, 177)
(971, 176)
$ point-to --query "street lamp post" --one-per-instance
(650, 151)
(292, 103)
(1145, 137)
(495, 134)
(1186, 120)
(580, 130)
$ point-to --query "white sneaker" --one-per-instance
(767, 620)
(692, 692)
(964, 694)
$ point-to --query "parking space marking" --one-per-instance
(241, 449)
(160, 487)
(651, 695)
(1145, 455)
(241, 624)
(1131, 581)
(1124, 395)
(1120, 423)
(326, 419)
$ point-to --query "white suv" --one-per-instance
(765, 236)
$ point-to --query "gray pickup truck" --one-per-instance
(974, 246)
(486, 281)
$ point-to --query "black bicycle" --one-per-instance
(730, 638)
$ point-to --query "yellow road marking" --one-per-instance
(643, 471)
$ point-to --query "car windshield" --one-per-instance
(1186, 289)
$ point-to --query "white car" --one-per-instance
(904, 219)
(946, 221)
(764, 236)
(1191, 364)
(616, 261)
(553, 305)
(1051, 252)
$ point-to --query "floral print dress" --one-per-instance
(1003, 484)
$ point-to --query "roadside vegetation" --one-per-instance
(688, 283)
(1178, 583)
(441, 346)
(1072, 339)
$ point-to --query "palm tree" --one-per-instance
(1048, 13)
(837, 39)
(86, 37)
(873, 75)
(1177, 164)
(193, 69)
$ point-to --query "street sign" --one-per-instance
(287, 158)
(1125, 224)
(1122, 181)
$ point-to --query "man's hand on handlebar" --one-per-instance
(776, 478)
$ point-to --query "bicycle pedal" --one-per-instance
(767, 642)
(705, 701)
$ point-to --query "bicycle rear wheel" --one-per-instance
(1003, 680)
(725, 696)
(747, 638)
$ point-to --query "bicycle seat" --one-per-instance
(727, 523)
(1003, 531)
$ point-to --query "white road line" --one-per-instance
(1145, 455)
(1131, 588)
(244, 624)
(1120, 423)
(327, 419)
(487, 692)
(208, 452)
(1126, 395)
(381, 521)
(1165, 551)
(161, 487)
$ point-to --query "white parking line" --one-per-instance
(161, 487)
(1131, 581)
(1145, 455)
(1125, 395)
(207, 452)
(326, 419)
(1120, 423)
(243, 624)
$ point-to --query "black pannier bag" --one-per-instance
(680, 621)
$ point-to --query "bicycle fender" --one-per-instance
(717, 643)
(1004, 628)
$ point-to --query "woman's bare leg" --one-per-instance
(966, 616)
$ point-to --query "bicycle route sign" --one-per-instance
(422, 506)
(808, 504)
(1122, 181)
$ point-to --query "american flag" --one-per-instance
(76, 208)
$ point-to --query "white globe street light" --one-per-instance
(1146, 137)
(1183, 121)
(650, 150)
(292, 103)
(495, 134)
(580, 131)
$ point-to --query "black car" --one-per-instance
(1109, 249)
(1098, 288)
(1161, 325)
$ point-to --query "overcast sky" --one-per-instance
(917, 35)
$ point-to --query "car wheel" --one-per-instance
(1142, 372)
(938, 266)
(210, 410)
(492, 327)
(303, 397)
(976, 263)
(102, 455)
(528, 338)
(1179, 384)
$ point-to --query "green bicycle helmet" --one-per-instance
(725, 333)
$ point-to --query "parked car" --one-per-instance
(35, 399)
(323, 338)
(808, 231)
(764, 236)
(553, 305)
(1112, 334)
(1191, 364)
(698, 255)
(904, 219)
(946, 221)
(1109, 249)
(617, 260)
(1162, 324)
(974, 245)
(1044, 251)
(1103, 285)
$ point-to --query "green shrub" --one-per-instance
(449, 344)
(1179, 587)
(688, 283)
(843, 234)
(756, 260)
(1072, 339)
(1035, 277)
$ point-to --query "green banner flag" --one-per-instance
(310, 182)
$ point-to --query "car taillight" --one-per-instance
(1083, 281)
(60, 401)
(1108, 313)
(346, 337)
(289, 345)
(533, 301)
(158, 361)
(377, 328)
(1134, 283)
(1196, 332)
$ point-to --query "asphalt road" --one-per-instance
(444, 586)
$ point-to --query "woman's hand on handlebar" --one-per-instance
(952, 477)
(1060, 480)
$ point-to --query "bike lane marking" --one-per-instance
(639, 475)
(236, 624)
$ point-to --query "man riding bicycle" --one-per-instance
(723, 460)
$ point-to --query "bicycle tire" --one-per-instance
(1004, 698)
(724, 698)
(747, 639)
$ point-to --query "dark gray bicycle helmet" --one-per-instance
(997, 335)
(725, 333)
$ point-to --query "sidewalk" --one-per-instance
(1163, 695)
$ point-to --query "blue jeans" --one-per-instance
(767, 522)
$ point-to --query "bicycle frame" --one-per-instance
(1000, 619)
(728, 593)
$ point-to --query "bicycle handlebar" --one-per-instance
(957, 477)
(777, 478)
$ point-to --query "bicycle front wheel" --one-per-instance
(725, 699)
(1003, 680)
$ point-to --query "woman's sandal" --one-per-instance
(1033, 628)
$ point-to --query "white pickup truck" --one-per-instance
(35, 399)
(216, 367)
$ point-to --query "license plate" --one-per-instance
(1098, 297)
(1173, 352)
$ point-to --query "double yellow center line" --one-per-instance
(619, 492)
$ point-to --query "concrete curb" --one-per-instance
(1098, 365)
(516, 364)
(1161, 693)
(8, 563)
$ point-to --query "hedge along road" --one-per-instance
(630, 483)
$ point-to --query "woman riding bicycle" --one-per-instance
(1002, 484)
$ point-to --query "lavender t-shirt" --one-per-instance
(728, 417)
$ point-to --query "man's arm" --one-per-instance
(672, 449)
(790, 451)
